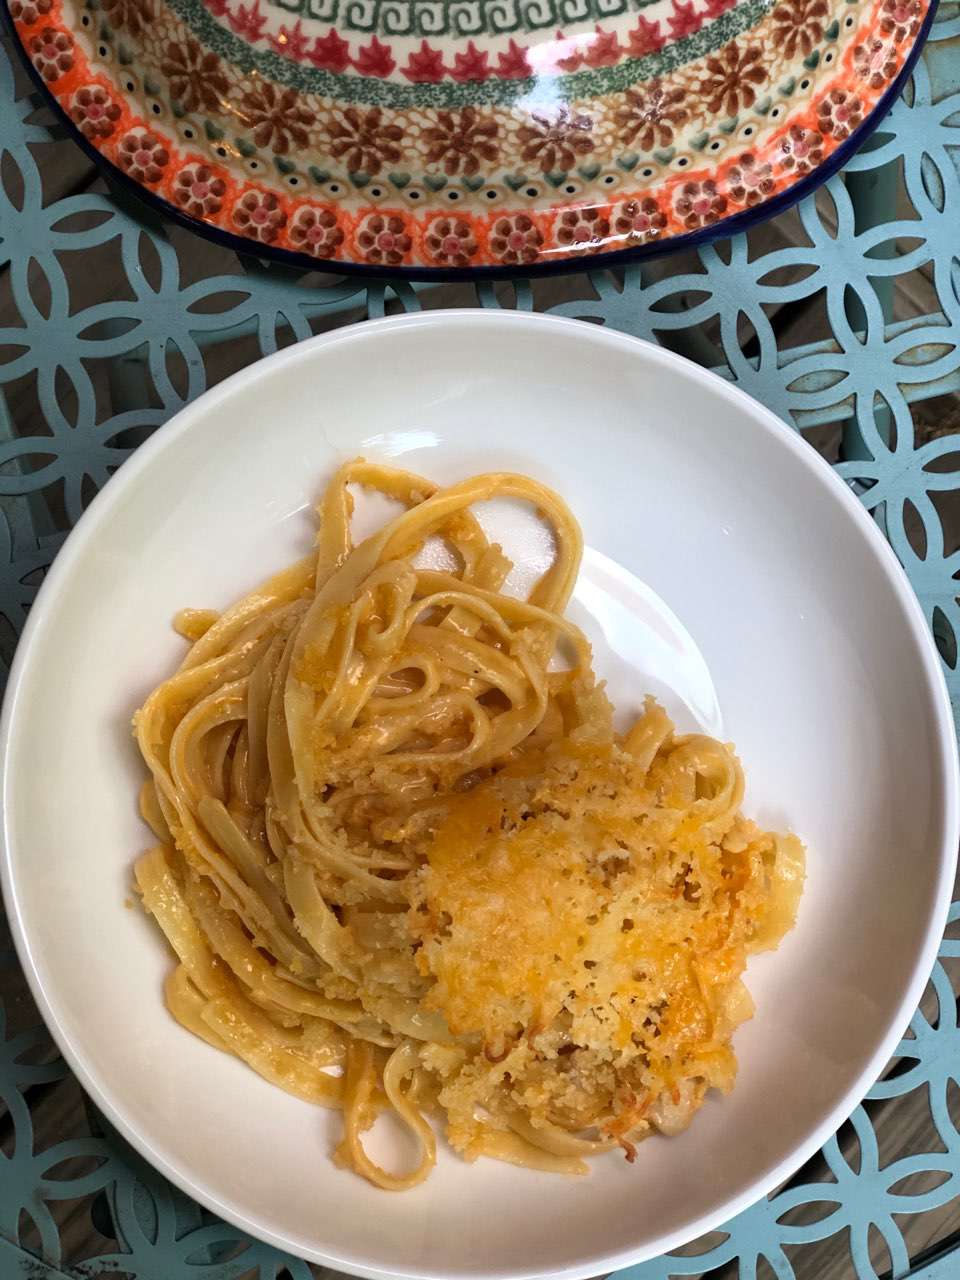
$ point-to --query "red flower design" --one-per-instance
(684, 20)
(425, 65)
(94, 112)
(198, 191)
(314, 229)
(374, 59)
(604, 50)
(259, 216)
(514, 64)
(330, 52)
(645, 38)
(142, 155)
(875, 62)
(291, 44)
(217, 7)
(698, 204)
(383, 239)
(52, 53)
(801, 150)
(638, 220)
(901, 19)
(748, 182)
(471, 65)
(247, 21)
(716, 7)
(582, 230)
(29, 11)
(840, 113)
(564, 55)
(515, 241)
(450, 242)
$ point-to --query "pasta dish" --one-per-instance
(405, 863)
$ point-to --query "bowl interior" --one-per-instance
(825, 677)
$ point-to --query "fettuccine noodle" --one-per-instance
(405, 863)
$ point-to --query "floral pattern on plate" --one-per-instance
(458, 140)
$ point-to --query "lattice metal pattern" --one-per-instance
(86, 376)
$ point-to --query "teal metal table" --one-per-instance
(843, 316)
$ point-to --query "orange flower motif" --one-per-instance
(515, 241)
(638, 220)
(94, 112)
(142, 155)
(363, 139)
(698, 204)
(555, 141)
(51, 52)
(195, 75)
(258, 215)
(731, 78)
(383, 239)
(459, 141)
(314, 229)
(650, 114)
(278, 118)
(582, 230)
(450, 242)
(798, 26)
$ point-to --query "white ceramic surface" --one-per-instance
(689, 494)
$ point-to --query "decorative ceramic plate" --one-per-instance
(413, 136)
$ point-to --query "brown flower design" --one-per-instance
(650, 114)
(94, 112)
(52, 53)
(901, 19)
(875, 62)
(383, 239)
(638, 220)
(749, 182)
(515, 241)
(142, 155)
(840, 113)
(131, 15)
(731, 78)
(801, 150)
(698, 204)
(315, 230)
(460, 141)
(196, 75)
(798, 26)
(450, 242)
(29, 11)
(198, 191)
(554, 141)
(364, 140)
(582, 230)
(259, 216)
(277, 117)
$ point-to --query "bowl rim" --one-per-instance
(166, 436)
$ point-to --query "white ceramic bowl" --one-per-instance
(825, 673)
